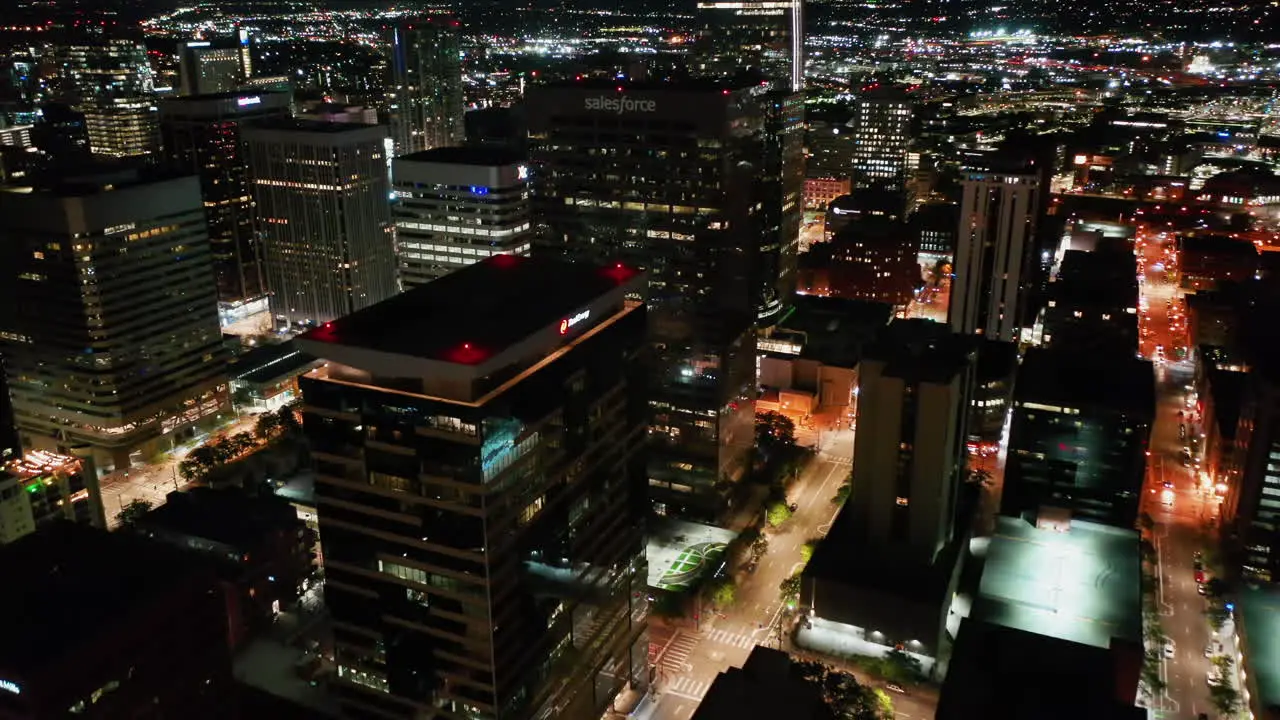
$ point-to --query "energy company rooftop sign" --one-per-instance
(621, 105)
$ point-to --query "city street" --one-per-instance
(1182, 508)
(689, 659)
(155, 481)
(932, 302)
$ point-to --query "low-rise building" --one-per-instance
(765, 686)
(1055, 625)
(993, 384)
(109, 625)
(41, 487)
(1205, 260)
(934, 228)
(808, 361)
(1094, 301)
(261, 549)
(1078, 437)
(849, 209)
(819, 192)
(266, 378)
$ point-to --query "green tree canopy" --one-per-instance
(843, 694)
(130, 514)
(773, 429)
(777, 513)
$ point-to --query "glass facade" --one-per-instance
(111, 332)
(487, 559)
(426, 85)
(202, 135)
(680, 190)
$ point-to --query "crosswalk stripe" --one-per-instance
(689, 686)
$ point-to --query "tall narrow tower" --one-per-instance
(320, 192)
(426, 85)
(881, 132)
(201, 135)
(994, 251)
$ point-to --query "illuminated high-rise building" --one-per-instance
(456, 206)
(765, 36)
(88, 70)
(112, 84)
(207, 69)
(246, 52)
(201, 135)
(881, 130)
(480, 484)
(320, 191)
(108, 322)
(426, 85)
(783, 210)
(995, 249)
(672, 178)
(123, 127)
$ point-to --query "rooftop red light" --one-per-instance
(619, 273)
(466, 354)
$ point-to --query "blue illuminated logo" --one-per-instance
(477, 190)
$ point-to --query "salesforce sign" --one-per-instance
(620, 105)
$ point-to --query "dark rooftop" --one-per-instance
(92, 178)
(268, 362)
(1008, 674)
(693, 84)
(68, 583)
(1118, 382)
(468, 316)
(937, 217)
(309, 126)
(868, 200)
(922, 349)
(1099, 278)
(996, 359)
(227, 516)
(765, 686)
(835, 329)
(1216, 244)
(846, 555)
(469, 155)
(1226, 388)
(224, 95)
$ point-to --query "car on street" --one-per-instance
(895, 688)
(1168, 649)
(1200, 577)
(1200, 589)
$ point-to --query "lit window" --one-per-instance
(902, 502)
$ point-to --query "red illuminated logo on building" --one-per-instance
(569, 322)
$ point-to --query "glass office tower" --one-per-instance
(479, 446)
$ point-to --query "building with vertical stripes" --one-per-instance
(324, 216)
